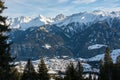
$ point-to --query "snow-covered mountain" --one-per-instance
(24, 23)
(19, 22)
(84, 34)
(89, 17)
(83, 18)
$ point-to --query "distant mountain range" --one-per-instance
(73, 35)
(24, 23)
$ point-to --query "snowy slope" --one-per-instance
(114, 55)
(96, 46)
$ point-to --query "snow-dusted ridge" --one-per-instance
(82, 18)
(24, 23)
(89, 17)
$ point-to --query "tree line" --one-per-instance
(108, 69)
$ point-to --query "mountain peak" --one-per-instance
(59, 17)
(41, 16)
(100, 12)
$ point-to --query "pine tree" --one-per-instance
(94, 78)
(59, 78)
(108, 63)
(101, 75)
(15, 74)
(90, 77)
(42, 71)
(29, 72)
(71, 73)
(79, 69)
(118, 60)
(116, 69)
(107, 58)
(106, 67)
(5, 56)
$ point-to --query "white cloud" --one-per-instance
(108, 9)
(83, 1)
(111, 0)
(112, 9)
(62, 1)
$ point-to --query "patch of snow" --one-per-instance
(83, 18)
(44, 29)
(82, 59)
(96, 58)
(52, 72)
(65, 56)
(86, 67)
(96, 46)
(47, 46)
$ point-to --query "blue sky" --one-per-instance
(51, 8)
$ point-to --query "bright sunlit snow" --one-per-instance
(96, 46)
(47, 46)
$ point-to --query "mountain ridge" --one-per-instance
(61, 19)
(69, 36)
